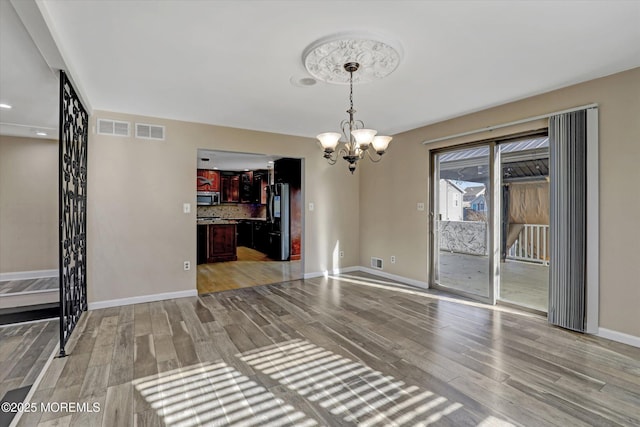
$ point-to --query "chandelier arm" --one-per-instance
(331, 158)
(374, 157)
(346, 130)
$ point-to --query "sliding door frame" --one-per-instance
(493, 220)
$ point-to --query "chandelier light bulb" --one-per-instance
(363, 137)
(380, 143)
(329, 140)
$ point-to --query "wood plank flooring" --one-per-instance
(251, 269)
(29, 285)
(24, 351)
(337, 351)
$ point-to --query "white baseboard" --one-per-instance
(619, 337)
(401, 279)
(141, 299)
(327, 272)
(26, 275)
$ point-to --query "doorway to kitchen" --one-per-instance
(249, 220)
(490, 228)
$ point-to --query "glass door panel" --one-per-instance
(524, 263)
(461, 226)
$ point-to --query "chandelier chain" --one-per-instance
(351, 89)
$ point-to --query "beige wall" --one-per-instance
(138, 236)
(28, 204)
(389, 191)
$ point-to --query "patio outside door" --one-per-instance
(462, 218)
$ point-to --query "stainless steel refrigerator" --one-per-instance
(279, 216)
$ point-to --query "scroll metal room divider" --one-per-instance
(73, 138)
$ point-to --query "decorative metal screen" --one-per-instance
(74, 122)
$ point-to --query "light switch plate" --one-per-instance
(186, 208)
(311, 206)
(420, 206)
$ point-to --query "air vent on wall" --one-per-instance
(113, 127)
(145, 131)
(376, 263)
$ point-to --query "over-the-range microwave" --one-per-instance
(208, 198)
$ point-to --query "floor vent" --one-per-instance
(113, 127)
(376, 263)
(145, 131)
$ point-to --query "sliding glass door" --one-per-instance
(461, 241)
(490, 221)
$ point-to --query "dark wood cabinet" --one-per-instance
(222, 243)
(202, 242)
(208, 180)
(288, 171)
(245, 233)
(230, 187)
(260, 236)
(246, 187)
(260, 182)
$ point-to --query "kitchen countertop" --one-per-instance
(222, 221)
(216, 221)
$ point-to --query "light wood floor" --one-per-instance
(344, 350)
(29, 285)
(24, 350)
(252, 268)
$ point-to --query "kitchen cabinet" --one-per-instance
(230, 187)
(261, 236)
(288, 171)
(208, 180)
(222, 243)
(260, 183)
(202, 242)
(246, 187)
(245, 233)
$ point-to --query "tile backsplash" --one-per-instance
(233, 211)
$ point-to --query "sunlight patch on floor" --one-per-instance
(348, 389)
(215, 394)
(399, 287)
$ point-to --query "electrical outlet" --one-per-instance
(341, 254)
(311, 206)
(186, 208)
(420, 206)
(187, 265)
(393, 259)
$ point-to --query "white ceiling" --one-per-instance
(232, 161)
(230, 62)
(26, 81)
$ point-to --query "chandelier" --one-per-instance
(359, 142)
(327, 59)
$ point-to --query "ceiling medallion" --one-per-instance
(325, 58)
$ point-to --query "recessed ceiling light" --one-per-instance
(215, 168)
(6, 106)
(246, 170)
(41, 133)
(302, 81)
(270, 162)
